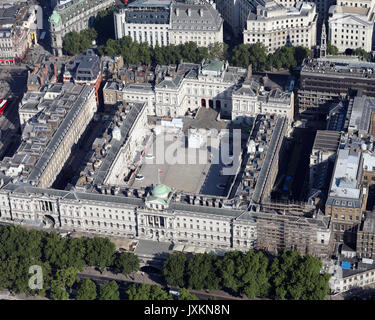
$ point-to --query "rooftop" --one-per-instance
(346, 174)
(327, 141)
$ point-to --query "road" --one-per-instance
(142, 277)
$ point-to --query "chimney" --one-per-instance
(44, 70)
(249, 72)
(55, 69)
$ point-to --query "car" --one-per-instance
(149, 156)
(221, 186)
(139, 177)
(174, 292)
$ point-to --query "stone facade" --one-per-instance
(157, 217)
(169, 22)
(276, 26)
(351, 25)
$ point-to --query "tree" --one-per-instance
(57, 291)
(67, 277)
(126, 263)
(174, 269)
(99, 252)
(86, 290)
(158, 57)
(246, 273)
(186, 295)
(104, 18)
(75, 250)
(228, 266)
(71, 43)
(360, 52)
(109, 291)
(298, 278)
(244, 55)
(331, 49)
(218, 51)
(189, 51)
(285, 57)
(144, 53)
(241, 56)
(201, 272)
(301, 53)
(75, 42)
(255, 281)
(146, 292)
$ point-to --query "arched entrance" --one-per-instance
(48, 221)
(211, 103)
(203, 103)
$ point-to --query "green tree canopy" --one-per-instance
(218, 51)
(360, 52)
(298, 278)
(174, 269)
(246, 273)
(100, 252)
(58, 292)
(86, 290)
(126, 263)
(186, 295)
(146, 292)
(109, 291)
(202, 272)
(331, 49)
(75, 42)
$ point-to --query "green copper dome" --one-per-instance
(161, 191)
(55, 17)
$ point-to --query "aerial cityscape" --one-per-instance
(187, 150)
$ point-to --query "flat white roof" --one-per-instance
(344, 182)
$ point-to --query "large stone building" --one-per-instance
(73, 15)
(166, 22)
(156, 216)
(351, 24)
(17, 31)
(275, 25)
(236, 12)
(59, 116)
(212, 84)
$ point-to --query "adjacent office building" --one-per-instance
(275, 25)
(351, 24)
(166, 22)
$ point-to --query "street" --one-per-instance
(150, 278)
